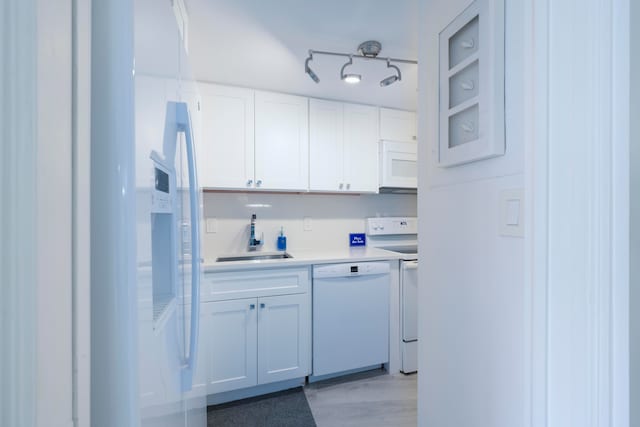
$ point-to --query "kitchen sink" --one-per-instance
(254, 257)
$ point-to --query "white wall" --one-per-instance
(473, 331)
(333, 217)
(634, 256)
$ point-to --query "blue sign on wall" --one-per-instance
(357, 239)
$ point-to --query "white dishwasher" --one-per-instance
(350, 316)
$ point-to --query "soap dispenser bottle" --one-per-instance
(282, 240)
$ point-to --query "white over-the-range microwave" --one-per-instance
(398, 166)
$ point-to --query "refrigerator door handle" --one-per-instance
(184, 125)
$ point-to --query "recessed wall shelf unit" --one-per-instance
(471, 110)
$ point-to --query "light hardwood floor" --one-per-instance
(367, 399)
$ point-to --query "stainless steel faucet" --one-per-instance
(253, 242)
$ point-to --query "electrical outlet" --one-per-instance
(307, 223)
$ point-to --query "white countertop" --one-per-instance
(304, 257)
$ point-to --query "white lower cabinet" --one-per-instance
(283, 338)
(253, 341)
(231, 329)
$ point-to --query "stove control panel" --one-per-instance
(392, 225)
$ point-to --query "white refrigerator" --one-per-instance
(145, 214)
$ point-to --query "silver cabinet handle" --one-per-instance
(341, 185)
(249, 182)
(252, 306)
(259, 183)
(262, 305)
(348, 186)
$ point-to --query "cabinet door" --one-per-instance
(231, 329)
(284, 337)
(361, 148)
(226, 145)
(282, 142)
(397, 125)
(326, 130)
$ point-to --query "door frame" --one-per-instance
(580, 294)
(45, 244)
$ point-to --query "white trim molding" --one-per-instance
(18, 279)
(81, 205)
(578, 253)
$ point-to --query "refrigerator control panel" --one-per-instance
(161, 193)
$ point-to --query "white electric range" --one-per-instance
(400, 235)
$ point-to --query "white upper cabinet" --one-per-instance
(361, 148)
(226, 146)
(397, 125)
(326, 139)
(281, 142)
(343, 146)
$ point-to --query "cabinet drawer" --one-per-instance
(254, 283)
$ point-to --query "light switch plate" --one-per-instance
(212, 225)
(512, 213)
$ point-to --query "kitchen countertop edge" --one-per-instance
(305, 257)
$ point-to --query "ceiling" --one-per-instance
(263, 44)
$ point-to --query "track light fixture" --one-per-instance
(367, 51)
(349, 78)
(391, 79)
(309, 71)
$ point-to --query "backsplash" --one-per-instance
(328, 219)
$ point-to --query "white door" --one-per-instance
(361, 148)
(232, 328)
(226, 147)
(326, 130)
(281, 142)
(283, 337)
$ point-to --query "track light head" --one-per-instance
(309, 71)
(391, 79)
(388, 80)
(349, 78)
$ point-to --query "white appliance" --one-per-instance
(398, 165)
(350, 317)
(400, 235)
(145, 221)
